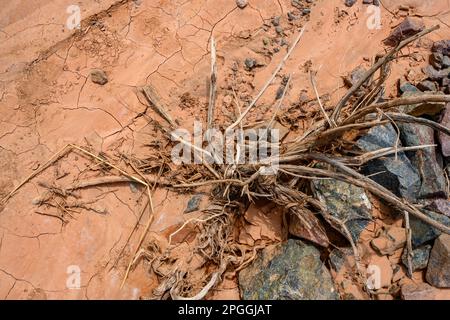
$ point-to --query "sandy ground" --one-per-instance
(47, 101)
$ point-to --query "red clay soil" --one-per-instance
(48, 100)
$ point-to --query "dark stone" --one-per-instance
(356, 75)
(420, 259)
(433, 183)
(338, 257)
(288, 271)
(438, 272)
(99, 76)
(441, 206)
(427, 85)
(367, 1)
(442, 46)
(423, 232)
(250, 63)
(397, 175)
(445, 62)
(346, 202)
(409, 27)
(444, 139)
(407, 87)
(376, 3)
(350, 3)
(193, 203)
(436, 75)
(276, 21)
(436, 59)
(306, 11)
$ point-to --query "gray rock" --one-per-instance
(367, 1)
(442, 46)
(279, 30)
(241, 3)
(356, 75)
(409, 27)
(407, 87)
(436, 75)
(418, 291)
(427, 85)
(436, 59)
(423, 232)
(438, 272)
(420, 109)
(444, 139)
(276, 21)
(433, 183)
(306, 11)
(250, 63)
(288, 271)
(193, 203)
(420, 259)
(441, 206)
(350, 3)
(397, 175)
(346, 202)
(338, 257)
(445, 62)
(99, 76)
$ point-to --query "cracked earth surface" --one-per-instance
(47, 101)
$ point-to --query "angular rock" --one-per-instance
(193, 203)
(442, 46)
(389, 241)
(356, 75)
(436, 75)
(288, 271)
(346, 202)
(438, 272)
(427, 85)
(397, 175)
(446, 62)
(436, 60)
(420, 291)
(99, 76)
(420, 109)
(433, 183)
(250, 63)
(443, 138)
(409, 27)
(407, 87)
(423, 232)
(441, 206)
(350, 3)
(420, 259)
(339, 257)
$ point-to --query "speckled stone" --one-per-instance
(289, 271)
(345, 202)
(438, 272)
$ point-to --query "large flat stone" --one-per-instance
(438, 272)
(396, 174)
(288, 271)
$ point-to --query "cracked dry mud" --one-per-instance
(47, 100)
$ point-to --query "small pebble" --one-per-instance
(241, 3)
